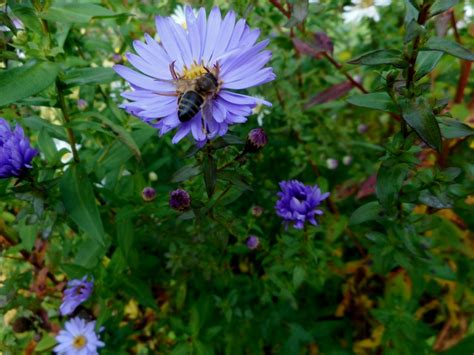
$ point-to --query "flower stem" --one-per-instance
(67, 119)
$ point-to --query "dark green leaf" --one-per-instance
(209, 168)
(390, 179)
(28, 16)
(419, 116)
(47, 146)
(451, 128)
(124, 225)
(185, 173)
(89, 76)
(377, 101)
(368, 212)
(76, 13)
(29, 79)
(380, 57)
(413, 30)
(465, 346)
(439, 200)
(426, 62)
(449, 47)
(440, 6)
(79, 200)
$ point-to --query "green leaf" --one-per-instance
(377, 101)
(89, 76)
(390, 179)
(299, 275)
(449, 47)
(209, 168)
(426, 62)
(465, 346)
(364, 213)
(47, 146)
(451, 128)
(76, 13)
(440, 6)
(28, 16)
(380, 57)
(79, 200)
(419, 116)
(413, 30)
(29, 79)
(185, 173)
(125, 231)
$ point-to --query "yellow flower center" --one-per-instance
(194, 72)
(79, 342)
(366, 3)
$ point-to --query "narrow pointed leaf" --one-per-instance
(419, 116)
(381, 57)
(376, 100)
(449, 47)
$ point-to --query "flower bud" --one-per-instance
(332, 164)
(252, 242)
(81, 104)
(152, 176)
(257, 211)
(347, 160)
(362, 128)
(256, 140)
(180, 200)
(148, 194)
(117, 58)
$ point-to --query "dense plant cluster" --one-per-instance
(315, 194)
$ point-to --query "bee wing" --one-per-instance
(206, 113)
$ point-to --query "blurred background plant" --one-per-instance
(388, 134)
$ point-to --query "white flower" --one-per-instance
(347, 160)
(78, 338)
(332, 164)
(363, 8)
(66, 157)
(179, 16)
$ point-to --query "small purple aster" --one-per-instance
(362, 128)
(149, 194)
(298, 203)
(224, 50)
(78, 337)
(180, 200)
(81, 104)
(16, 152)
(252, 242)
(256, 140)
(77, 292)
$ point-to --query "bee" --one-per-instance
(195, 94)
(194, 99)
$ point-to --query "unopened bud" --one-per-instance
(256, 140)
(252, 242)
(149, 194)
(180, 200)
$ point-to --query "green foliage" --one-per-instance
(388, 269)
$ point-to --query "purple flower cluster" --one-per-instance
(78, 291)
(180, 200)
(224, 49)
(16, 152)
(298, 203)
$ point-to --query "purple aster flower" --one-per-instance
(252, 242)
(256, 140)
(16, 152)
(78, 337)
(78, 291)
(149, 194)
(298, 203)
(180, 200)
(81, 104)
(185, 80)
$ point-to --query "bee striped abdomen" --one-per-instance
(189, 105)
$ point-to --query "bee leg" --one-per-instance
(173, 71)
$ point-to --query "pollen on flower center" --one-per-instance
(367, 3)
(194, 72)
(79, 342)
